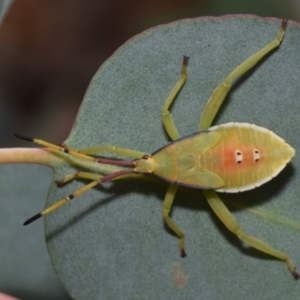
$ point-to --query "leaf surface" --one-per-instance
(111, 242)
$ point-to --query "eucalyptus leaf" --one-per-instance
(111, 242)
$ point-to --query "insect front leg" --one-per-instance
(167, 205)
(79, 175)
(216, 99)
(231, 223)
(166, 116)
(113, 149)
(92, 176)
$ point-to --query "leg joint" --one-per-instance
(165, 213)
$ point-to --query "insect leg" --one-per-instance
(166, 116)
(167, 205)
(216, 99)
(231, 223)
(78, 175)
(114, 149)
(84, 175)
(109, 148)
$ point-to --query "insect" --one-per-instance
(232, 157)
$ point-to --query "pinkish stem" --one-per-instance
(41, 156)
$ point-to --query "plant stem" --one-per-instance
(41, 156)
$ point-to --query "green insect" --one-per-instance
(232, 157)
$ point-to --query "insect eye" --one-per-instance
(256, 155)
(238, 156)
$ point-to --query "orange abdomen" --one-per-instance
(246, 156)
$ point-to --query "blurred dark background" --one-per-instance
(51, 49)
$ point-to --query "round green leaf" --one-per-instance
(111, 242)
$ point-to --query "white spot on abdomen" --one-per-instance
(256, 155)
(238, 156)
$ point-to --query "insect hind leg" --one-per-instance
(231, 223)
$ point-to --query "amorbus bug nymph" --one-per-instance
(232, 157)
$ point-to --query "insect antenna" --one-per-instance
(78, 192)
(60, 147)
(65, 149)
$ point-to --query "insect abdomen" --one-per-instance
(246, 156)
